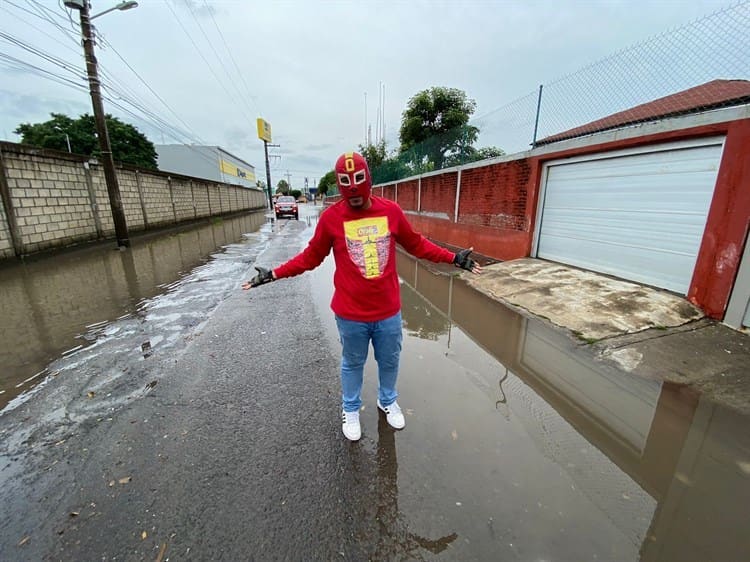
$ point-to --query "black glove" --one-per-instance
(463, 260)
(264, 276)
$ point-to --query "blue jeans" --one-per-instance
(386, 337)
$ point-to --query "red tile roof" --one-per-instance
(711, 95)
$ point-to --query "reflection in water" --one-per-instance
(394, 538)
(668, 468)
(46, 303)
(421, 319)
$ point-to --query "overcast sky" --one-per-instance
(305, 66)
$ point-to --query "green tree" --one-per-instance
(471, 154)
(391, 169)
(435, 126)
(282, 187)
(373, 153)
(296, 193)
(327, 183)
(129, 145)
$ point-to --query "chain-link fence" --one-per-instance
(700, 66)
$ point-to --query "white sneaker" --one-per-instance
(351, 428)
(393, 415)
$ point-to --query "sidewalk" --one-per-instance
(649, 332)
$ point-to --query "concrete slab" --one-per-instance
(591, 305)
(644, 331)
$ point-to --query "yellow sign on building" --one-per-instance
(234, 170)
(264, 130)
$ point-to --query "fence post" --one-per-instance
(419, 194)
(139, 185)
(92, 200)
(171, 198)
(192, 196)
(458, 195)
(536, 121)
(395, 192)
(208, 198)
(10, 214)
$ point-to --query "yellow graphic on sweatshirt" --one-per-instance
(369, 244)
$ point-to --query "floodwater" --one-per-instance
(520, 445)
(55, 305)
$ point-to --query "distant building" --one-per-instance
(207, 162)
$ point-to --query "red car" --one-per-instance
(286, 205)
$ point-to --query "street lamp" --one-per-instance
(122, 6)
(110, 176)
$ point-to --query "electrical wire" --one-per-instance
(150, 89)
(200, 53)
(231, 57)
(31, 25)
(219, 58)
(117, 94)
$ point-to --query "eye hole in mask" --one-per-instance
(344, 179)
(359, 177)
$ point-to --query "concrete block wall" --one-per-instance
(6, 244)
(200, 196)
(182, 199)
(131, 200)
(51, 202)
(58, 199)
(156, 200)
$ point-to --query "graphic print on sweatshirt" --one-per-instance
(369, 244)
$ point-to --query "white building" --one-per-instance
(207, 162)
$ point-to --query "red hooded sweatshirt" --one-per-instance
(364, 247)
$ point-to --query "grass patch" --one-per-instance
(583, 338)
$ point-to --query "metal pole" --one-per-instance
(268, 177)
(536, 121)
(110, 176)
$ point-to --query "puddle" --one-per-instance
(58, 305)
(520, 446)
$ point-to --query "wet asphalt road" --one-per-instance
(235, 454)
(205, 426)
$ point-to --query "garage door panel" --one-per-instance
(636, 216)
(673, 232)
(608, 258)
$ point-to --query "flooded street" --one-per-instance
(58, 304)
(525, 447)
(520, 443)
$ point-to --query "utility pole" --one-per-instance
(268, 174)
(289, 181)
(110, 176)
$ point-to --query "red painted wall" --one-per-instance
(727, 226)
(407, 195)
(498, 207)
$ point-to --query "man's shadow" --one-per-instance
(394, 535)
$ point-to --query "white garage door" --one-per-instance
(638, 215)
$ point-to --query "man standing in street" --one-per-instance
(363, 230)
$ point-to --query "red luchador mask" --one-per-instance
(353, 178)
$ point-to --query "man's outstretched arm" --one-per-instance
(264, 276)
(463, 261)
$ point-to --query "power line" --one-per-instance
(219, 81)
(149, 87)
(231, 56)
(29, 24)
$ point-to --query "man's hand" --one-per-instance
(463, 261)
(264, 276)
